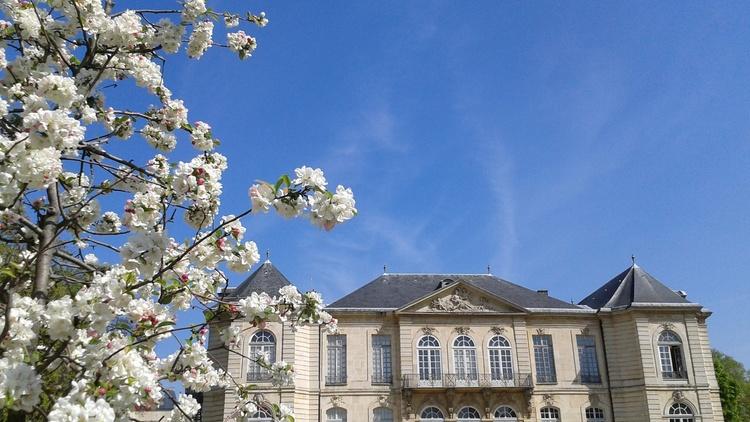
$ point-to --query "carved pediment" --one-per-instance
(462, 298)
(459, 300)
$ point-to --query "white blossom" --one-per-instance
(327, 212)
(200, 39)
(60, 318)
(241, 43)
(169, 35)
(310, 177)
(109, 223)
(40, 168)
(262, 197)
(192, 9)
(20, 386)
(244, 257)
(201, 136)
(66, 151)
(59, 89)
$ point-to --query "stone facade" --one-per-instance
(463, 353)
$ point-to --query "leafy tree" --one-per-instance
(734, 387)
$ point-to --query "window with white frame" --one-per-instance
(336, 414)
(588, 360)
(382, 414)
(336, 360)
(549, 414)
(262, 343)
(428, 355)
(501, 361)
(381, 359)
(431, 414)
(260, 416)
(465, 358)
(544, 359)
(468, 414)
(505, 414)
(680, 412)
(670, 355)
(594, 414)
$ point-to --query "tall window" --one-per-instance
(465, 358)
(544, 359)
(670, 355)
(588, 360)
(505, 414)
(428, 355)
(550, 414)
(680, 412)
(336, 414)
(262, 342)
(381, 359)
(594, 414)
(468, 414)
(382, 414)
(431, 414)
(336, 360)
(501, 363)
(261, 416)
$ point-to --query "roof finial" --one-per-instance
(385, 269)
(488, 269)
(632, 258)
(268, 255)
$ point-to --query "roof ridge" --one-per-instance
(620, 286)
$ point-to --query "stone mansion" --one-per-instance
(474, 347)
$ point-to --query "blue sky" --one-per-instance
(549, 140)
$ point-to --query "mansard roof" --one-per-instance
(634, 286)
(393, 291)
(265, 279)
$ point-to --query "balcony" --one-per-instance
(467, 381)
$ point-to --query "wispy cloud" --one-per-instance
(500, 177)
(369, 141)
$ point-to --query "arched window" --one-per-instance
(261, 416)
(468, 414)
(262, 342)
(670, 355)
(431, 414)
(501, 362)
(680, 412)
(465, 358)
(336, 414)
(594, 414)
(550, 414)
(428, 354)
(505, 414)
(382, 414)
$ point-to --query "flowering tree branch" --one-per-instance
(77, 336)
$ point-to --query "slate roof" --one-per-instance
(266, 279)
(392, 291)
(632, 286)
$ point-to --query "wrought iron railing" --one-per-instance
(257, 376)
(679, 374)
(382, 379)
(335, 379)
(466, 381)
(590, 379)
